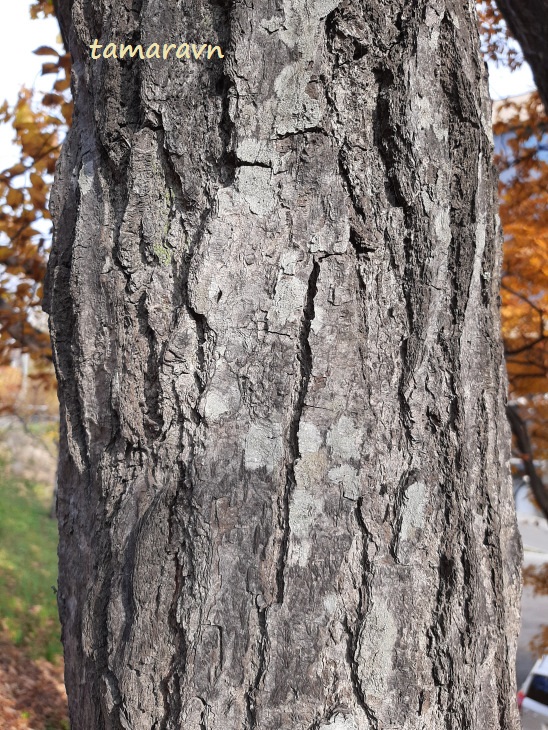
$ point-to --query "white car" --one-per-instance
(533, 697)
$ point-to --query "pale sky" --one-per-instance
(504, 83)
(19, 36)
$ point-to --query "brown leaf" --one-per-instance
(50, 68)
(45, 51)
(15, 197)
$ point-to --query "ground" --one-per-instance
(32, 694)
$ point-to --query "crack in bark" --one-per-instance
(204, 332)
(396, 508)
(307, 130)
(153, 421)
(353, 634)
(463, 125)
(204, 713)
(179, 534)
(246, 163)
(102, 663)
(387, 143)
(304, 356)
(263, 646)
(355, 238)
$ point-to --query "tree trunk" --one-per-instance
(284, 499)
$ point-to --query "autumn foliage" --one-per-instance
(39, 123)
(522, 158)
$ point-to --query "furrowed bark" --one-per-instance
(284, 499)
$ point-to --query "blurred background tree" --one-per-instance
(39, 122)
(521, 155)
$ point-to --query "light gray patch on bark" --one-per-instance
(221, 401)
(347, 477)
(255, 185)
(290, 291)
(345, 439)
(263, 446)
(339, 722)
(376, 648)
(310, 438)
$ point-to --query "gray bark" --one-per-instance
(284, 499)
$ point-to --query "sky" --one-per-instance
(19, 36)
(504, 83)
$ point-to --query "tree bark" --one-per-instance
(284, 499)
(528, 22)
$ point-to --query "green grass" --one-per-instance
(28, 567)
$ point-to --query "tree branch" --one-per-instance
(528, 22)
(523, 297)
(524, 348)
(519, 430)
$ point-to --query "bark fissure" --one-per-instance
(262, 665)
(102, 601)
(353, 653)
(358, 239)
(304, 357)
(204, 333)
(171, 684)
